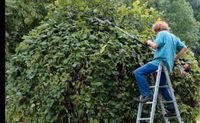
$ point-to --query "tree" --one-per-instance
(21, 16)
(196, 8)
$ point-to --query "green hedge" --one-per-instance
(71, 70)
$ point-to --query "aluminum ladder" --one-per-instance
(156, 96)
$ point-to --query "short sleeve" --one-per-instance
(179, 44)
(160, 39)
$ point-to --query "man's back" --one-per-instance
(167, 44)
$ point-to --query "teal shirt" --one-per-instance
(167, 44)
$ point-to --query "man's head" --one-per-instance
(159, 26)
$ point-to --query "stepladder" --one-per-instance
(157, 97)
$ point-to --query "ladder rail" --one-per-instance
(163, 110)
(172, 94)
(161, 102)
(139, 111)
(155, 96)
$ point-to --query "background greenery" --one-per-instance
(63, 66)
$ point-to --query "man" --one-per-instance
(165, 46)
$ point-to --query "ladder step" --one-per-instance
(148, 103)
(151, 86)
(172, 117)
(144, 118)
(163, 86)
(168, 101)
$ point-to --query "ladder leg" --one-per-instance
(139, 111)
(155, 96)
(161, 103)
(163, 110)
(173, 96)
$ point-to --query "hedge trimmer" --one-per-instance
(128, 34)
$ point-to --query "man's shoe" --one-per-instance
(146, 99)
(170, 113)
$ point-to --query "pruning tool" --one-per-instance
(131, 36)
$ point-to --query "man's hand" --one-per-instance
(149, 41)
(152, 44)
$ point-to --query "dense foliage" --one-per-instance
(72, 68)
(196, 8)
(21, 16)
(181, 18)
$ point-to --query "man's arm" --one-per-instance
(179, 54)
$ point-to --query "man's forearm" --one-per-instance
(179, 54)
